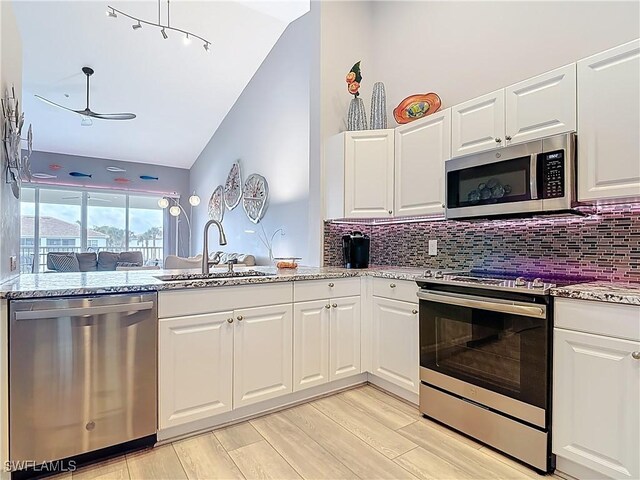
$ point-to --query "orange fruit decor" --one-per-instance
(416, 106)
(353, 80)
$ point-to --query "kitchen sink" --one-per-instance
(211, 276)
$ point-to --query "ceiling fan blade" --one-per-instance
(112, 116)
(54, 104)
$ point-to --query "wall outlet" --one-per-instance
(433, 247)
(13, 263)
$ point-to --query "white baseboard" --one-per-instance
(251, 411)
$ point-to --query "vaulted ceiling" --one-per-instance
(180, 93)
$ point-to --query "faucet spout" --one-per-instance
(222, 240)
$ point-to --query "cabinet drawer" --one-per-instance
(609, 319)
(403, 290)
(306, 290)
(193, 301)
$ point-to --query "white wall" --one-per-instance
(268, 130)
(464, 49)
(10, 75)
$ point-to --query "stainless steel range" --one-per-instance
(485, 359)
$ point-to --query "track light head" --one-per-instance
(206, 46)
(164, 34)
(136, 26)
(111, 13)
(186, 40)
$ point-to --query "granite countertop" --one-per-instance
(87, 283)
(602, 291)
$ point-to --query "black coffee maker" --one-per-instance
(355, 250)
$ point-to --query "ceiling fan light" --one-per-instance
(163, 203)
(164, 34)
(206, 46)
(194, 200)
(136, 26)
(186, 39)
(174, 211)
(86, 121)
(111, 13)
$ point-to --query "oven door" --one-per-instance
(491, 351)
(494, 183)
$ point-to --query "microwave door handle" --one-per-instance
(533, 176)
(493, 305)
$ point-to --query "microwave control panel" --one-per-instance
(552, 173)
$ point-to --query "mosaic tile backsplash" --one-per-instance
(605, 246)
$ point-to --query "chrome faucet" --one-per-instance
(206, 263)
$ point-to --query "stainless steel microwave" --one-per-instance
(529, 178)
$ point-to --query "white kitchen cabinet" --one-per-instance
(262, 353)
(344, 332)
(609, 124)
(478, 125)
(596, 390)
(395, 343)
(541, 106)
(359, 174)
(311, 343)
(421, 148)
(195, 367)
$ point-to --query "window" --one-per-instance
(64, 220)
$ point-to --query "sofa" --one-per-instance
(92, 262)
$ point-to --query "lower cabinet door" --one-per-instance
(263, 353)
(344, 344)
(596, 402)
(395, 351)
(310, 343)
(195, 363)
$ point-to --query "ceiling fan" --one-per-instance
(87, 112)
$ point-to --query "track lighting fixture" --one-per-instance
(112, 12)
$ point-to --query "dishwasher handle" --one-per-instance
(83, 311)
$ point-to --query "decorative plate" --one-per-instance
(216, 204)
(233, 187)
(255, 195)
(416, 106)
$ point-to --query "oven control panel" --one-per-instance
(553, 173)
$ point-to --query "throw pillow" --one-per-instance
(64, 262)
(88, 261)
(107, 260)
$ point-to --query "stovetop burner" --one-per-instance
(531, 283)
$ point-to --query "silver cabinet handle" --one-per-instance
(230, 320)
(414, 311)
(498, 140)
(335, 305)
(331, 285)
(392, 285)
(327, 306)
(240, 318)
(636, 355)
(508, 138)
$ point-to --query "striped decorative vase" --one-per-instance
(378, 107)
(357, 117)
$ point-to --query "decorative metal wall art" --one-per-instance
(216, 204)
(18, 167)
(255, 196)
(233, 186)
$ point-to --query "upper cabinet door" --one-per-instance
(541, 106)
(478, 125)
(195, 367)
(609, 124)
(368, 190)
(263, 353)
(421, 149)
(596, 403)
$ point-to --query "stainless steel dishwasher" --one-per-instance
(82, 374)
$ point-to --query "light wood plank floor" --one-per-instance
(361, 433)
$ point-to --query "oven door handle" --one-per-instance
(490, 304)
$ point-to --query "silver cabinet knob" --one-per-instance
(636, 355)
(240, 318)
(498, 140)
(327, 306)
(390, 212)
(414, 311)
(331, 285)
(335, 305)
(508, 138)
(443, 205)
(230, 320)
(392, 285)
